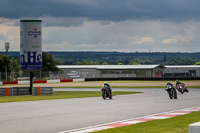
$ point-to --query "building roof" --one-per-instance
(108, 66)
(184, 66)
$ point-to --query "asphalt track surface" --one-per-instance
(51, 116)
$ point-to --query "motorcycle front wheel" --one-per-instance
(104, 95)
(170, 94)
(174, 94)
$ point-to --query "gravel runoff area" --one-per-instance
(122, 83)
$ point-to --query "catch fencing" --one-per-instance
(25, 75)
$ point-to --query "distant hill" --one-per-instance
(71, 58)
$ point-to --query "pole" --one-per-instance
(31, 81)
(6, 67)
(6, 73)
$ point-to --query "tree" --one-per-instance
(15, 69)
(4, 61)
(133, 63)
(105, 63)
(180, 61)
(148, 62)
(120, 63)
(139, 61)
(49, 62)
(84, 62)
(197, 63)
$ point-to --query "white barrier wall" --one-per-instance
(53, 81)
(78, 80)
(23, 82)
(194, 128)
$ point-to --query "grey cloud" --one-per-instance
(114, 10)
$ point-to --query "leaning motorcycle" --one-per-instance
(171, 91)
(106, 93)
(182, 88)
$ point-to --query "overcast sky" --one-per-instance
(106, 25)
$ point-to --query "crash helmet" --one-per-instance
(105, 83)
(177, 80)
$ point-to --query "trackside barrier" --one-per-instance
(78, 80)
(66, 80)
(23, 82)
(39, 81)
(194, 128)
(42, 81)
(42, 91)
(10, 82)
(53, 81)
(6, 91)
(16, 91)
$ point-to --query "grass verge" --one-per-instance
(121, 87)
(58, 95)
(178, 124)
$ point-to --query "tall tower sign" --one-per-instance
(31, 45)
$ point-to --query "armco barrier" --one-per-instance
(2, 92)
(42, 91)
(20, 91)
(5, 91)
(16, 91)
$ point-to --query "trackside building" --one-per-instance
(182, 71)
(109, 71)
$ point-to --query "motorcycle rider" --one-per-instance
(177, 82)
(106, 85)
(182, 84)
(168, 83)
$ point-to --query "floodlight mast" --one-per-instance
(7, 45)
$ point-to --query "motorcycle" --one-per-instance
(182, 88)
(179, 88)
(106, 93)
(171, 91)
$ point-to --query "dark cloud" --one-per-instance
(115, 10)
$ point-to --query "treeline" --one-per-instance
(174, 61)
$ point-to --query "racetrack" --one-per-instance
(51, 116)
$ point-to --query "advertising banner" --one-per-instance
(31, 44)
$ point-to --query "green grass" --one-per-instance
(177, 124)
(82, 87)
(58, 95)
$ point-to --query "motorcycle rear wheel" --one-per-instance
(170, 94)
